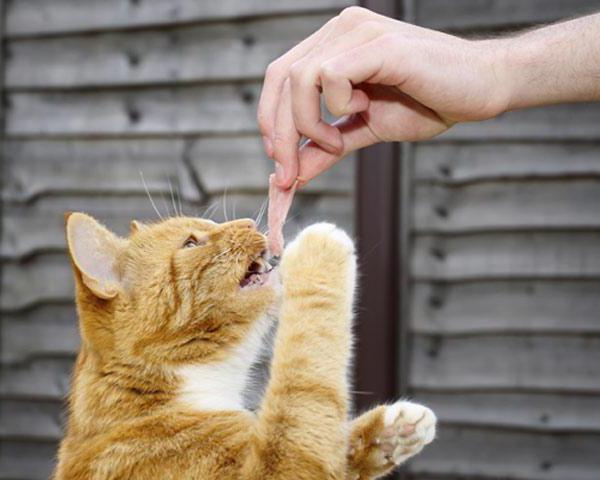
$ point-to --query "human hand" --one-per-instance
(388, 80)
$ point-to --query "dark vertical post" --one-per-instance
(3, 101)
(377, 227)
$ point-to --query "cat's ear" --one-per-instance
(94, 252)
(135, 227)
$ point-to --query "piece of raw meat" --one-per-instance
(280, 202)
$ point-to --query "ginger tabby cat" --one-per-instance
(171, 320)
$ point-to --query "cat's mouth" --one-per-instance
(257, 273)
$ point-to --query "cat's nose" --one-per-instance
(244, 223)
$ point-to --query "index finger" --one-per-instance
(275, 76)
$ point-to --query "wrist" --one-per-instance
(503, 85)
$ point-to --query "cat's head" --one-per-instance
(173, 292)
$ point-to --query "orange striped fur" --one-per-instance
(169, 333)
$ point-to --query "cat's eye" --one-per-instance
(190, 243)
(193, 241)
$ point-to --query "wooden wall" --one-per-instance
(505, 268)
(96, 92)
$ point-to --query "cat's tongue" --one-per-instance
(280, 202)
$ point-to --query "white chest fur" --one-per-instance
(219, 385)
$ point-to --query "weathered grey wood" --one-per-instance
(240, 163)
(507, 255)
(46, 330)
(224, 51)
(509, 306)
(42, 167)
(26, 460)
(23, 223)
(533, 412)
(477, 14)
(509, 205)
(44, 278)
(483, 453)
(465, 162)
(513, 363)
(226, 108)
(559, 122)
(231, 108)
(39, 379)
(34, 17)
(31, 420)
(37, 168)
(47, 276)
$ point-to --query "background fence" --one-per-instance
(500, 219)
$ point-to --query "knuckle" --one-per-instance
(371, 27)
(296, 72)
(329, 71)
(263, 123)
(352, 15)
(272, 70)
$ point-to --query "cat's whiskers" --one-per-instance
(224, 252)
(225, 204)
(261, 212)
(212, 206)
(177, 214)
(150, 196)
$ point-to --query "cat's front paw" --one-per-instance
(322, 235)
(408, 427)
(320, 253)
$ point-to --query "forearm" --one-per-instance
(554, 64)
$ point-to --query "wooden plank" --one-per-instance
(33, 17)
(506, 307)
(553, 123)
(237, 164)
(43, 167)
(49, 330)
(37, 269)
(505, 362)
(528, 412)
(39, 379)
(226, 108)
(44, 278)
(27, 460)
(508, 205)
(477, 14)
(467, 453)
(231, 108)
(558, 255)
(465, 162)
(216, 52)
(32, 420)
(23, 223)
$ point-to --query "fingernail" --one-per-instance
(268, 146)
(279, 173)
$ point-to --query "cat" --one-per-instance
(172, 317)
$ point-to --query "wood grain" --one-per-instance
(557, 255)
(478, 14)
(474, 308)
(533, 412)
(508, 454)
(508, 205)
(456, 163)
(202, 53)
(510, 363)
(32, 17)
